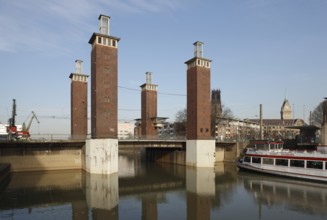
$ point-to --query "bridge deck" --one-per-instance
(152, 143)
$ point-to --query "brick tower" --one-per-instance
(104, 82)
(149, 107)
(101, 151)
(199, 111)
(198, 95)
(78, 102)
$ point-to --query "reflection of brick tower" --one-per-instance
(198, 206)
(198, 95)
(78, 102)
(104, 82)
(149, 108)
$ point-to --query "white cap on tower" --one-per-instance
(198, 49)
(79, 66)
(104, 24)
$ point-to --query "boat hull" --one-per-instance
(315, 175)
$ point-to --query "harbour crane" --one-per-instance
(25, 130)
(17, 134)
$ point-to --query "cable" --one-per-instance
(161, 93)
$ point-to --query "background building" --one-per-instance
(229, 129)
(234, 129)
(126, 129)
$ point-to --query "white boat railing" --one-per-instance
(319, 151)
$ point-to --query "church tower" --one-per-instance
(324, 123)
(216, 110)
(104, 82)
(286, 110)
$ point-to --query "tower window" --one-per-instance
(99, 40)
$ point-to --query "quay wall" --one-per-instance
(166, 155)
(36, 156)
(225, 152)
(43, 156)
(229, 152)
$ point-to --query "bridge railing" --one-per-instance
(67, 137)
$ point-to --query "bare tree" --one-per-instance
(181, 120)
(227, 112)
(180, 123)
(181, 116)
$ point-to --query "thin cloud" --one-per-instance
(39, 24)
(154, 5)
(140, 6)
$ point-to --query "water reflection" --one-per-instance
(160, 191)
(307, 198)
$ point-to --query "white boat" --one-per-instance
(3, 132)
(270, 157)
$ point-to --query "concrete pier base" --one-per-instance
(200, 153)
(101, 156)
(102, 191)
(200, 181)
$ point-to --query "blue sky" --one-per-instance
(258, 48)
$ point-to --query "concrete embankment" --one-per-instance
(69, 155)
(36, 156)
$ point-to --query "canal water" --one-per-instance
(151, 191)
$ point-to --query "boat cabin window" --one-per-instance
(314, 164)
(268, 145)
(281, 162)
(268, 161)
(297, 163)
(247, 159)
(256, 159)
(261, 146)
